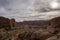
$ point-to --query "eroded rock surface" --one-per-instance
(49, 31)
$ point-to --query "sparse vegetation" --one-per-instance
(49, 31)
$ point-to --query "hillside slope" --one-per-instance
(50, 30)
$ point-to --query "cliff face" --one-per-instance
(6, 23)
(12, 23)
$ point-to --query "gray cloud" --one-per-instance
(44, 5)
(3, 2)
(24, 9)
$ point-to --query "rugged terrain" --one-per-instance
(9, 30)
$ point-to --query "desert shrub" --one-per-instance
(25, 36)
(28, 36)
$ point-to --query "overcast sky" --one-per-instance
(25, 9)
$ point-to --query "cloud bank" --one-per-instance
(25, 9)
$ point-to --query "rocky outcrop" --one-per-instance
(49, 30)
(12, 23)
(7, 23)
(4, 22)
